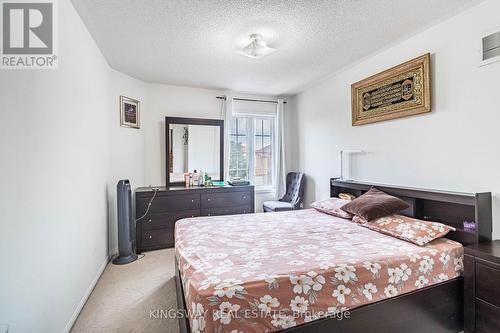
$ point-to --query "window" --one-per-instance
(238, 160)
(252, 154)
(263, 135)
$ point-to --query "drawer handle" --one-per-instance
(149, 221)
(244, 212)
(209, 199)
(192, 200)
(150, 237)
(244, 197)
(209, 214)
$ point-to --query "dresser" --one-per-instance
(170, 204)
(482, 287)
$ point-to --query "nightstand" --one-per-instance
(482, 287)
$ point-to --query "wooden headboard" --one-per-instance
(451, 208)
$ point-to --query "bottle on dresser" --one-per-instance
(201, 179)
(195, 178)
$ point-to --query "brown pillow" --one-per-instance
(374, 204)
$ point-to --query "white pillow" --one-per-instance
(332, 206)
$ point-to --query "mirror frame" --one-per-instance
(192, 121)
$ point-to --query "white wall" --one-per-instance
(61, 152)
(455, 147)
(126, 154)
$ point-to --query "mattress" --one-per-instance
(271, 271)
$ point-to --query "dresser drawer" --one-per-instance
(168, 203)
(227, 211)
(211, 200)
(487, 317)
(155, 221)
(158, 238)
(165, 220)
(487, 279)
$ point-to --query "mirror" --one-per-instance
(194, 144)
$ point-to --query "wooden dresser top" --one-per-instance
(489, 251)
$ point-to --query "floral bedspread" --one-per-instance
(268, 272)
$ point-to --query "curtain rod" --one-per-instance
(249, 100)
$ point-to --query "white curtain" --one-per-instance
(281, 159)
(226, 115)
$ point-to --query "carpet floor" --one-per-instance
(128, 298)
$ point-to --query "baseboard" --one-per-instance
(86, 296)
(113, 252)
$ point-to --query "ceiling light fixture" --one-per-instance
(257, 48)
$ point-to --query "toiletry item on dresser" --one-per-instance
(201, 180)
(186, 179)
(196, 178)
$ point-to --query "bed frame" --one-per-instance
(437, 308)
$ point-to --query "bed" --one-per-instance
(306, 271)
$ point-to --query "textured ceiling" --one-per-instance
(194, 43)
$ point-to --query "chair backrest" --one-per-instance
(294, 189)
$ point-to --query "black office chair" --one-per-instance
(295, 183)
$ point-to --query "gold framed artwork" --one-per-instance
(129, 112)
(401, 91)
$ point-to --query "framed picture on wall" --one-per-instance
(129, 112)
(401, 91)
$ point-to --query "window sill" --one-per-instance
(263, 190)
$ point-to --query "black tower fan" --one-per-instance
(125, 224)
